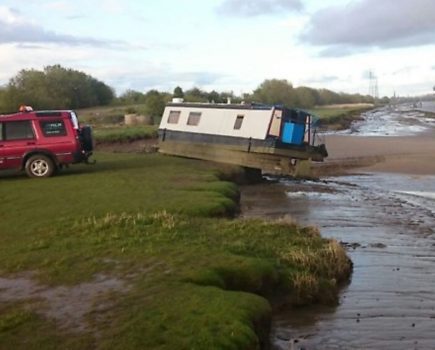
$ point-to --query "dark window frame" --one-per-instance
(47, 134)
(194, 118)
(239, 121)
(5, 136)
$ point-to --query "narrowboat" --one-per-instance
(273, 138)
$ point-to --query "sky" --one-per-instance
(226, 45)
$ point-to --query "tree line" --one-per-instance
(56, 87)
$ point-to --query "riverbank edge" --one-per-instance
(279, 297)
(344, 119)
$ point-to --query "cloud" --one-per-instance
(322, 79)
(404, 70)
(62, 5)
(365, 24)
(76, 16)
(253, 8)
(15, 29)
(159, 79)
(30, 46)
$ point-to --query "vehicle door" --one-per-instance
(17, 137)
(58, 137)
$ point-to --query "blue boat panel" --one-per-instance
(293, 133)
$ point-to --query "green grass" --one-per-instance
(125, 133)
(195, 282)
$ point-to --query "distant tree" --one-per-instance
(105, 94)
(55, 88)
(276, 91)
(3, 100)
(178, 92)
(214, 96)
(224, 96)
(306, 97)
(131, 97)
(385, 100)
(328, 97)
(196, 95)
(155, 102)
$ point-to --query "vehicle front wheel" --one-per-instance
(40, 166)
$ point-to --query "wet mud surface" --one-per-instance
(68, 306)
(387, 224)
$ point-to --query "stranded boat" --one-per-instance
(272, 138)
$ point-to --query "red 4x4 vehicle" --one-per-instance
(43, 142)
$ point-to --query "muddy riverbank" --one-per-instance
(383, 211)
(386, 222)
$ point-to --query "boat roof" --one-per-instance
(251, 106)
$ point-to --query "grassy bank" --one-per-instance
(339, 117)
(125, 133)
(145, 223)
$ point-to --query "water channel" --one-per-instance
(387, 223)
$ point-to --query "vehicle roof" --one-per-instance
(36, 114)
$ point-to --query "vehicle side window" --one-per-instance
(21, 130)
(1, 131)
(53, 128)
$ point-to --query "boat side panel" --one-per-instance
(221, 121)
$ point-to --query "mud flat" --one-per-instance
(403, 154)
(383, 140)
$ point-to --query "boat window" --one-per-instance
(275, 125)
(238, 123)
(194, 118)
(174, 116)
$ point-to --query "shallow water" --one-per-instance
(387, 222)
(388, 121)
(428, 106)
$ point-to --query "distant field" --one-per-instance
(105, 115)
(109, 124)
(129, 254)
